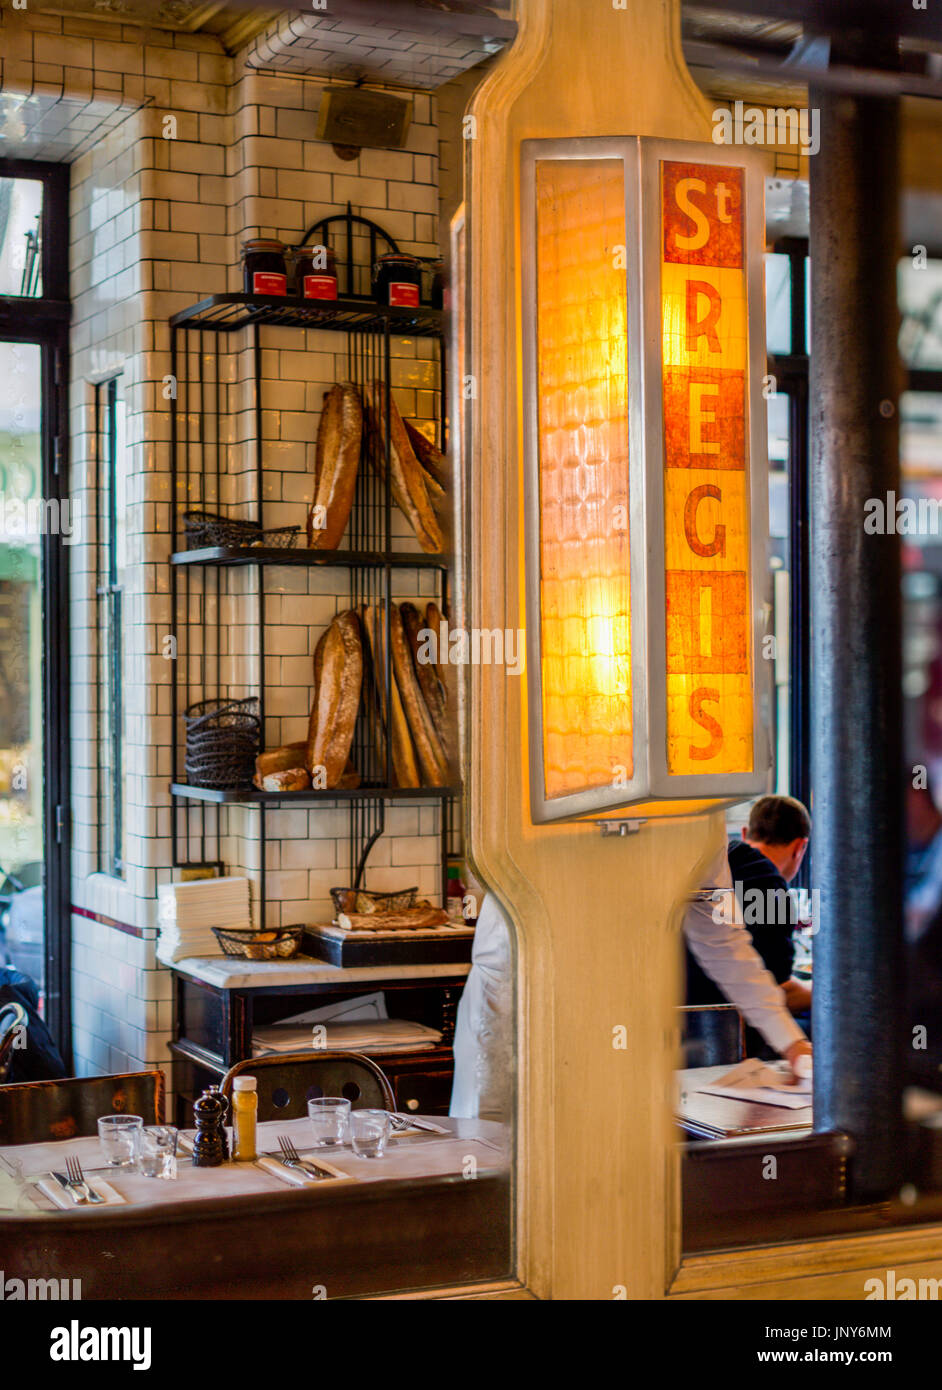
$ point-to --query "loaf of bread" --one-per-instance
(404, 763)
(406, 476)
(292, 779)
(406, 919)
(431, 755)
(432, 459)
(337, 461)
(434, 620)
(280, 759)
(426, 671)
(337, 699)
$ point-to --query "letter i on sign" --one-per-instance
(704, 342)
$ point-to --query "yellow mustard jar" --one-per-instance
(244, 1118)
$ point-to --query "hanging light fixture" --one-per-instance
(645, 476)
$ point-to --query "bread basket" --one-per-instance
(277, 943)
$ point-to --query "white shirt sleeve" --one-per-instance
(714, 931)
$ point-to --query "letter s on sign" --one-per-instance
(701, 235)
(698, 698)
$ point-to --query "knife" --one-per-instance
(64, 1183)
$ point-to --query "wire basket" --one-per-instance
(277, 944)
(223, 739)
(208, 529)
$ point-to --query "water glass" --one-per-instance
(119, 1137)
(156, 1155)
(369, 1131)
(328, 1115)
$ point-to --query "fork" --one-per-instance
(77, 1180)
(292, 1159)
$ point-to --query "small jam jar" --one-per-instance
(315, 272)
(397, 280)
(264, 267)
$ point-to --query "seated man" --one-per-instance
(762, 864)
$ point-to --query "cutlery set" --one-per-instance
(76, 1185)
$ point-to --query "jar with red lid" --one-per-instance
(315, 272)
(397, 280)
(264, 267)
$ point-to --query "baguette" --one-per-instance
(337, 461)
(405, 766)
(434, 620)
(408, 919)
(432, 459)
(426, 672)
(333, 718)
(432, 761)
(374, 697)
(406, 478)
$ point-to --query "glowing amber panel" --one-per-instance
(585, 600)
(706, 533)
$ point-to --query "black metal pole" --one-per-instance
(858, 1015)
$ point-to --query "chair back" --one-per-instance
(287, 1081)
(13, 1020)
(711, 1035)
(34, 1112)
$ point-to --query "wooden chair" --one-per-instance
(13, 1018)
(287, 1081)
(33, 1112)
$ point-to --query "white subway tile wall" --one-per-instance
(160, 203)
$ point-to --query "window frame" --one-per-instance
(109, 616)
(45, 321)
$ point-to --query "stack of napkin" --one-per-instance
(189, 911)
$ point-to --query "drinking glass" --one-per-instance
(156, 1155)
(369, 1131)
(328, 1115)
(119, 1137)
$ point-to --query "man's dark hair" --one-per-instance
(777, 820)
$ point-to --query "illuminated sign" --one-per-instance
(644, 475)
(704, 339)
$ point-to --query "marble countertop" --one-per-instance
(229, 972)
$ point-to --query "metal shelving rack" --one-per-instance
(200, 338)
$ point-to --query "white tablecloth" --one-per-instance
(475, 1147)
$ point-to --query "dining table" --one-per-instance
(433, 1210)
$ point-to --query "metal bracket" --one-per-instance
(620, 827)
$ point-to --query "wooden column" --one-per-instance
(596, 921)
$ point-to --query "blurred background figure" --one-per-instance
(923, 932)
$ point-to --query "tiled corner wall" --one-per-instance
(159, 206)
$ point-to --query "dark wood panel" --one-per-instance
(377, 1238)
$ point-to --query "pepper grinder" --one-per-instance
(210, 1147)
(218, 1095)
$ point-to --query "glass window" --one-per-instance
(23, 520)
(920, 302)
(21, 207)
(778, 304)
